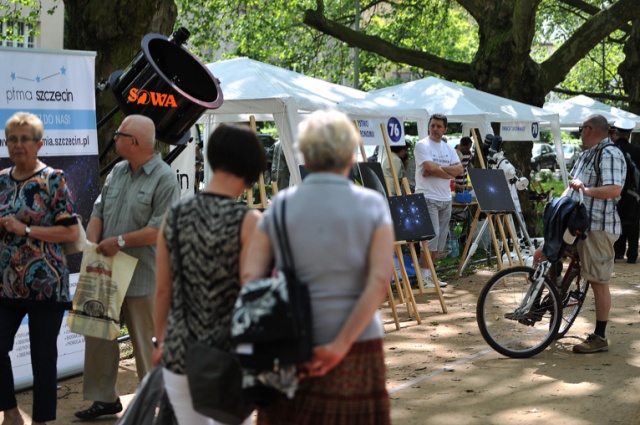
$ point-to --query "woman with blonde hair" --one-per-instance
(341, 237)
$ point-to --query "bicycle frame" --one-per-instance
(534, 290)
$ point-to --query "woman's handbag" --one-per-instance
(150, 406)
(271, 321)
(215, 383)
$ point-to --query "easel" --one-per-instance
(262, 191)
(500, 220)
(411, 244)
(403, 286)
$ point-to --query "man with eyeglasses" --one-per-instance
(126, 217)
(601, 185)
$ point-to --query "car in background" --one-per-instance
(543, 156)
(571, 154)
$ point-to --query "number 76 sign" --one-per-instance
(371, 133)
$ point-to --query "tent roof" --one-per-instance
(251, 87)
(464, 104)
(574, 111)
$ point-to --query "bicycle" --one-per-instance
(522, 310)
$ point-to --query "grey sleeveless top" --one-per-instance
(204, 251)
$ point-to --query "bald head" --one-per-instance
(142, 128)
(594, 129)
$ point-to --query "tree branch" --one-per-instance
(591, 10)
(617, 98)
(592, 32)
(453, 70)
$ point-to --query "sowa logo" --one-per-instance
(144, 97)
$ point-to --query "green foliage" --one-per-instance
(545, 176)
(598, 70)
(273, 32)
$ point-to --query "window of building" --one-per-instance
(22, 30)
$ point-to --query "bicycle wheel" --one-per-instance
(574, 292)
(505, 326)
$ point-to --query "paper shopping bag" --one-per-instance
(102, 285)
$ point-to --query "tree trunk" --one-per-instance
(629, 71)
(114, 29)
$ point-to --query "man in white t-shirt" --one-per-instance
(437, 163)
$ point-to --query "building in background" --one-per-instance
(51, 29)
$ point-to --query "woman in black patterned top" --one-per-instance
(199, 253)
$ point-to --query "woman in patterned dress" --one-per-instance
(36, 217)
(200, 250)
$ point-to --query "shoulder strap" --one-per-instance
(598, 158)
(283, 238)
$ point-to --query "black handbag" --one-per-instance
(214, 375)
(215, 383)
(271, 321)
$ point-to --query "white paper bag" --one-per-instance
(102, 285)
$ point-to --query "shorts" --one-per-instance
(597, 255)
(440, 214)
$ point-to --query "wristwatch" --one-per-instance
(156, 343)
(121, 242)
(27, 231)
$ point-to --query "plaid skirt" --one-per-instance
(352, 393)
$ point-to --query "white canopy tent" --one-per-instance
(574, 111)
(274, 94)
(473, 108)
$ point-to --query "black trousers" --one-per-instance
(44, 326)
(630, 234)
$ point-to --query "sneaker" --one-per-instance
(99, 408)
(427, 282)
(593, 344)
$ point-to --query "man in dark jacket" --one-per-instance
(630, 229)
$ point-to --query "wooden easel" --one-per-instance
(262, 191)
(501, 220)
(412, 249)
(403, 286)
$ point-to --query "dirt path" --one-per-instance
(443, 373)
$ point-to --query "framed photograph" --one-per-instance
(411, 220)
(492, 191)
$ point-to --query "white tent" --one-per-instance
(574, 111)
(270, 93)
(473, 108)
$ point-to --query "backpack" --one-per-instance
(629, 204)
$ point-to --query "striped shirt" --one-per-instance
(613, 170)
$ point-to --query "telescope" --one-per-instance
(169, 85)
(496, 159)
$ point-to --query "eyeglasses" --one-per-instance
(118, 134)
(12, 141)
(583, 127)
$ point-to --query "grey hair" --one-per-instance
(328, 141)
(25, 118)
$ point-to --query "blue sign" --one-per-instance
(394, 130)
